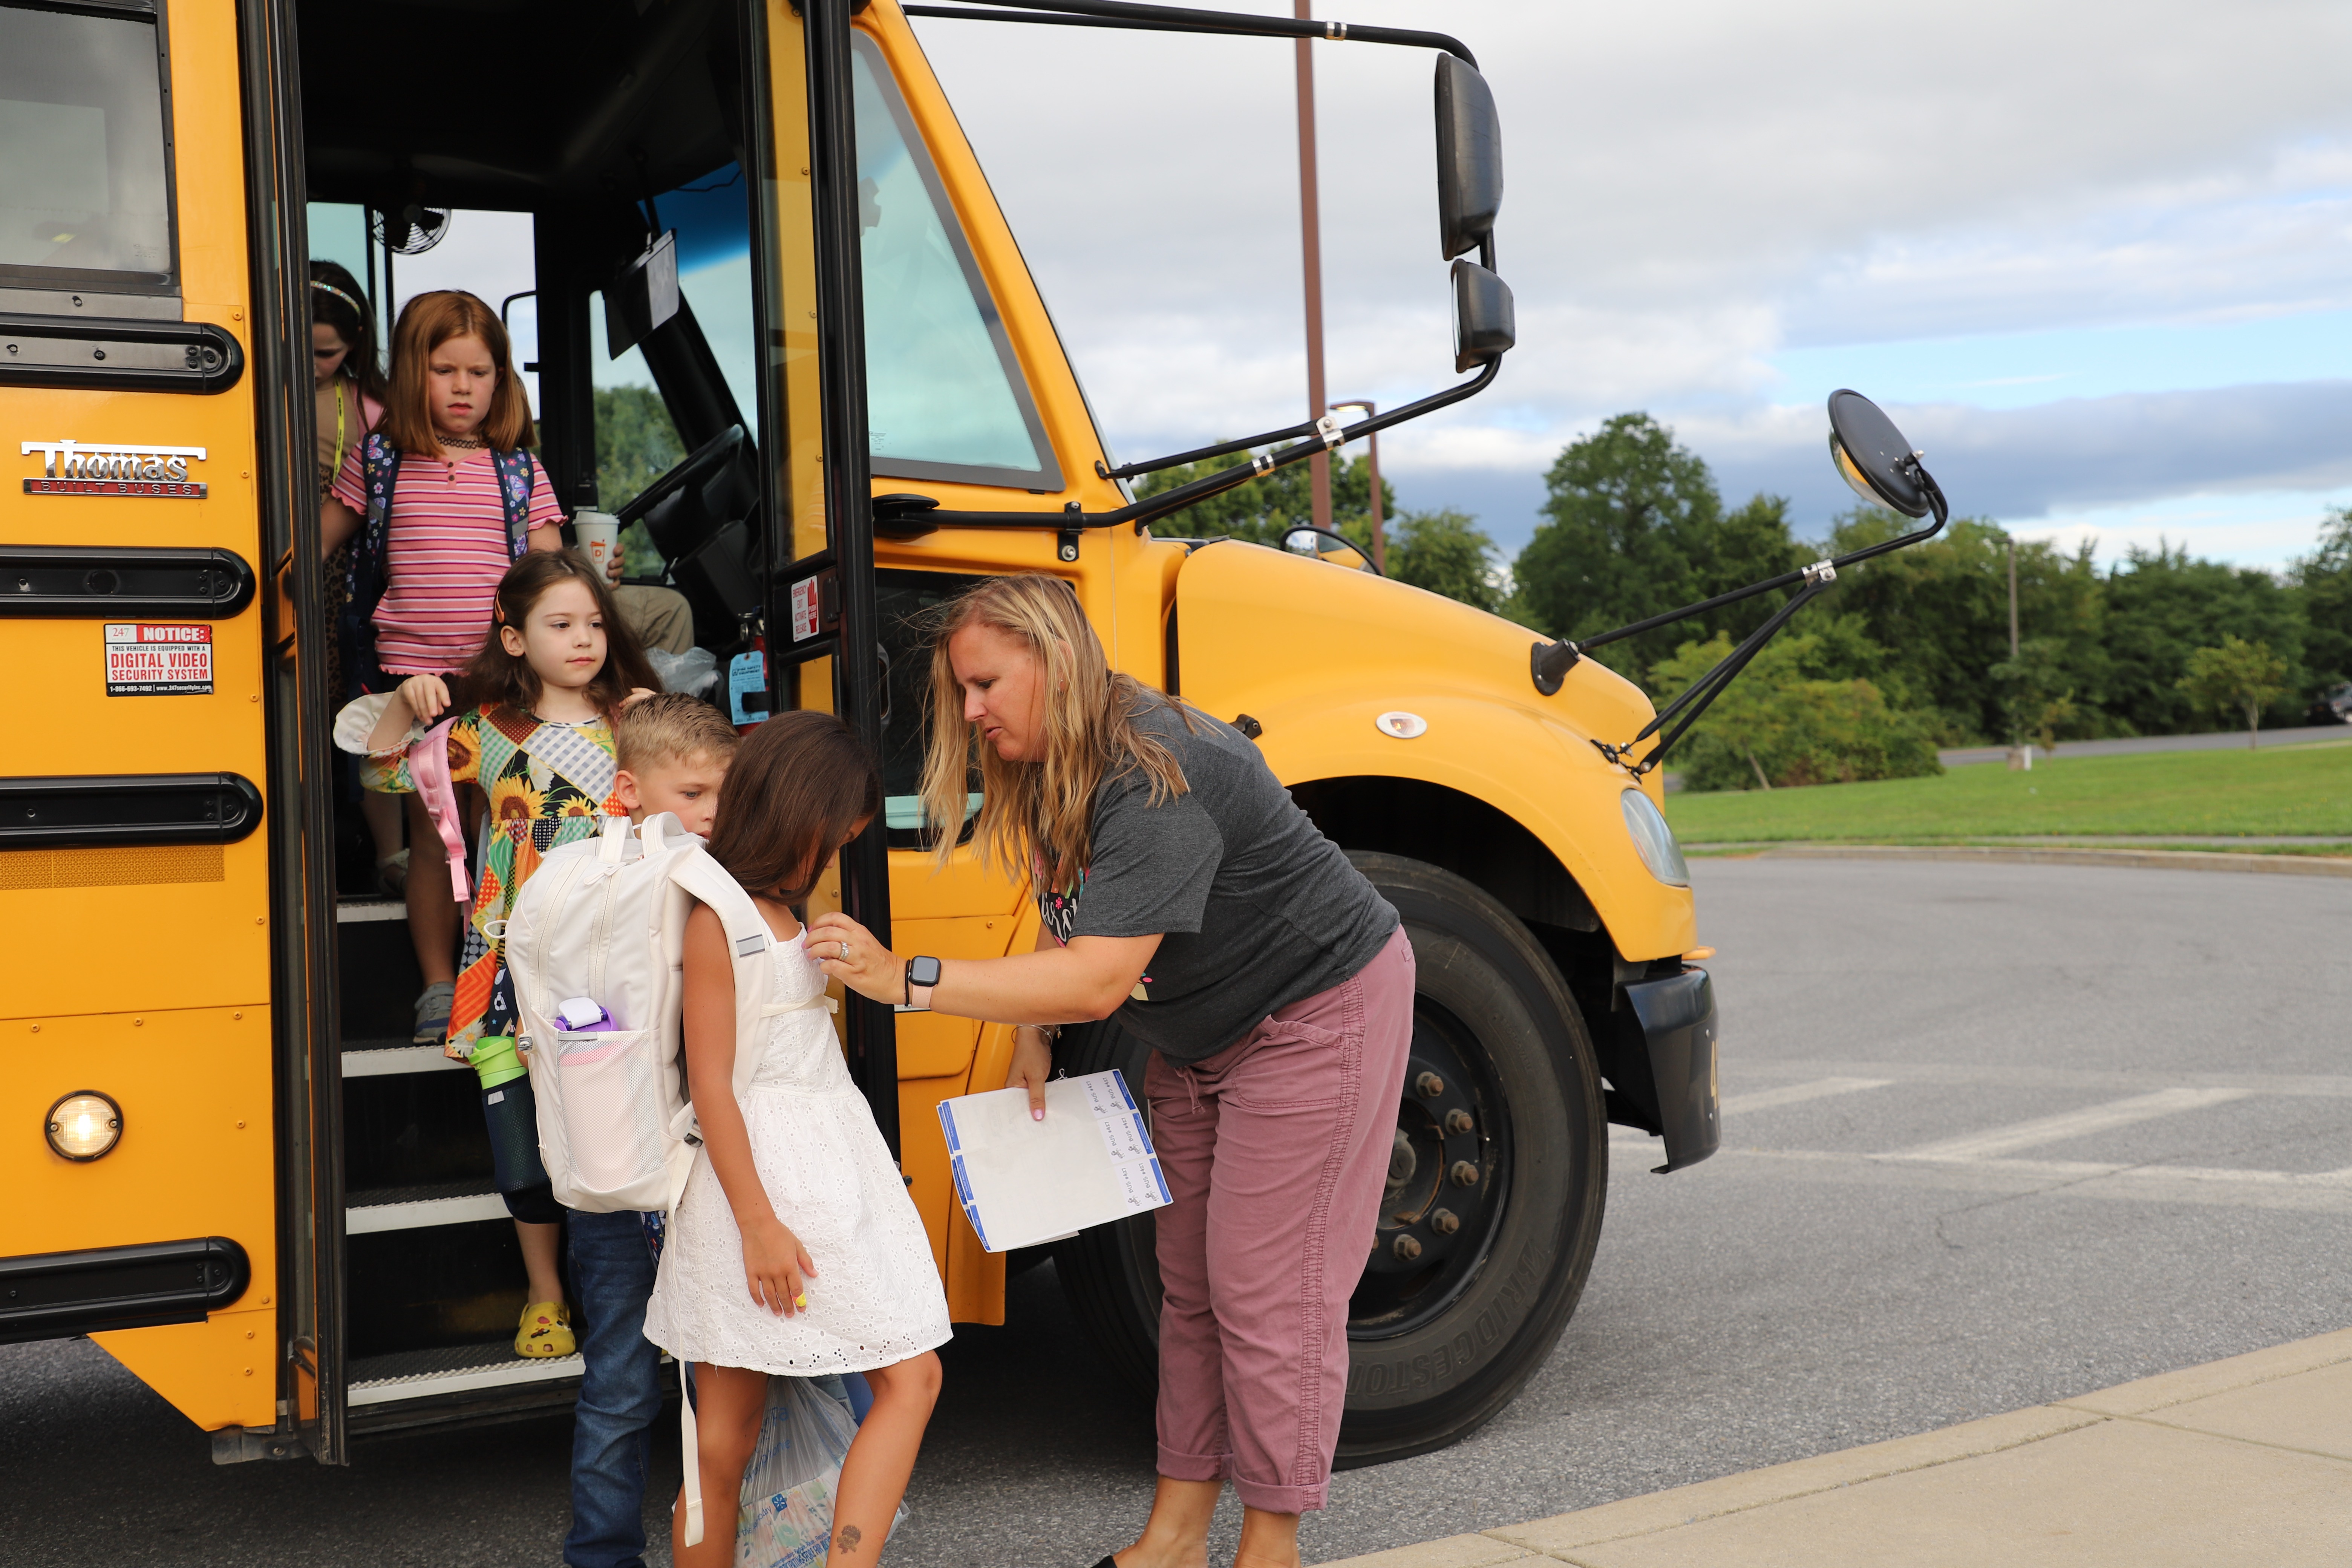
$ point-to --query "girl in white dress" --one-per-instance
(795, 1250)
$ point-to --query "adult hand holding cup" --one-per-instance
(599, 534)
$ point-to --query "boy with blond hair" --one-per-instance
(672, 752)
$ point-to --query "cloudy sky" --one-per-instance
(2095, 259)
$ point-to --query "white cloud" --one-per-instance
(1692, 185)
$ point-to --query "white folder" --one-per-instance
(1024, 1182)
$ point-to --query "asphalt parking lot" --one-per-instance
(1994, 1135)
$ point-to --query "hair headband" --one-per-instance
(346, 299)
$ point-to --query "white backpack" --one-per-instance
(602, 921)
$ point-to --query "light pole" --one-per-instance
(1371, 461)
(1310, 237)
(2012, 601)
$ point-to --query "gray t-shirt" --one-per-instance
(1257, 908)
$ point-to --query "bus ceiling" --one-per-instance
(596, 104)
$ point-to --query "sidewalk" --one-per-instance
(2224, 739)
(2244, 1461)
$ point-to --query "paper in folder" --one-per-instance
(1025, 1181)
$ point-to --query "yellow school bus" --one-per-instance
(228, 1164)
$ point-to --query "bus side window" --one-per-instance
(86, 191)
(904, 603)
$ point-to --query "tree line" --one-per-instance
(1905, 654)
(1913, 650)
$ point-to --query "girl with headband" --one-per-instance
(348, 388)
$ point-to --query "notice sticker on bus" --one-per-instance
(804, 609)
(159, 661)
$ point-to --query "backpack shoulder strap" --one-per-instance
(749, 940)
(364, 575)
(379, 474)
(516, 475)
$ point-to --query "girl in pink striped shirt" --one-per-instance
(448, 498)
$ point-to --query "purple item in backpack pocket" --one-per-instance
(583, 1016)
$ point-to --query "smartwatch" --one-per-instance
(922, 974)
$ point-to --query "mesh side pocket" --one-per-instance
(612, 1112)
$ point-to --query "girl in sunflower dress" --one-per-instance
(557, 667)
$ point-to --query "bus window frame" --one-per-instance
(68, 292)
(1045, 480)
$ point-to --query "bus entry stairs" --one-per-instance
(433, 1277)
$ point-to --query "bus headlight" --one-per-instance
(1655, 840)
(84, 1125)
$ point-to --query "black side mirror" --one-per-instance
(643, 298)
(1873, 456)
(1485, 326)
(1469, 157)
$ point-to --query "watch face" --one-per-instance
(924, 972)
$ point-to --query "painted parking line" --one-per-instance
(1998, 1140)
(2319, 1192)
(1798, 1093)
(1762, 1100)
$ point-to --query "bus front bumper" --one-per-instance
(1674, 1019)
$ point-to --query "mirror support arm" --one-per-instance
(1710, 685)
(1185, 19)
(1548, 663)
(1152, 507)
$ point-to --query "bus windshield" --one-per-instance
(945, 397)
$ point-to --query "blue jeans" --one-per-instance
(620, 1391)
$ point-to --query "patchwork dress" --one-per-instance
(548, 784)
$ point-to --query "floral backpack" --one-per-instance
(379, 474)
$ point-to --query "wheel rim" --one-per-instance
(1449, 1179)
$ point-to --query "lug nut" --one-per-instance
(1444, 1222)
(1465, 1173)
(1458, 1121)
(1429, 1086)
(1407, 1249)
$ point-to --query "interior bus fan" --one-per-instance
(413, 230)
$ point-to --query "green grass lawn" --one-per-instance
(2285, 790)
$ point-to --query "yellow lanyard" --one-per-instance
(339, 431)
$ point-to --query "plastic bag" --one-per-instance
(694, 672)
(787, 1504)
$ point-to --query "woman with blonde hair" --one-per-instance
(1183, 891)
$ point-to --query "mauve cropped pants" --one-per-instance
(1276, 1150)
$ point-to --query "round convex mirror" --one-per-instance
(1872, 455)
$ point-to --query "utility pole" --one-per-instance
(2012, 601)
(1310, 237)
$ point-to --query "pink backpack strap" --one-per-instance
(428, 769)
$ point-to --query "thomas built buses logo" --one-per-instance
(95, 468)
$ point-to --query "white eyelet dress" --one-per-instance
(875, 1298)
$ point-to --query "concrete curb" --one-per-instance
(2163, 859)
(1568, 1537)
